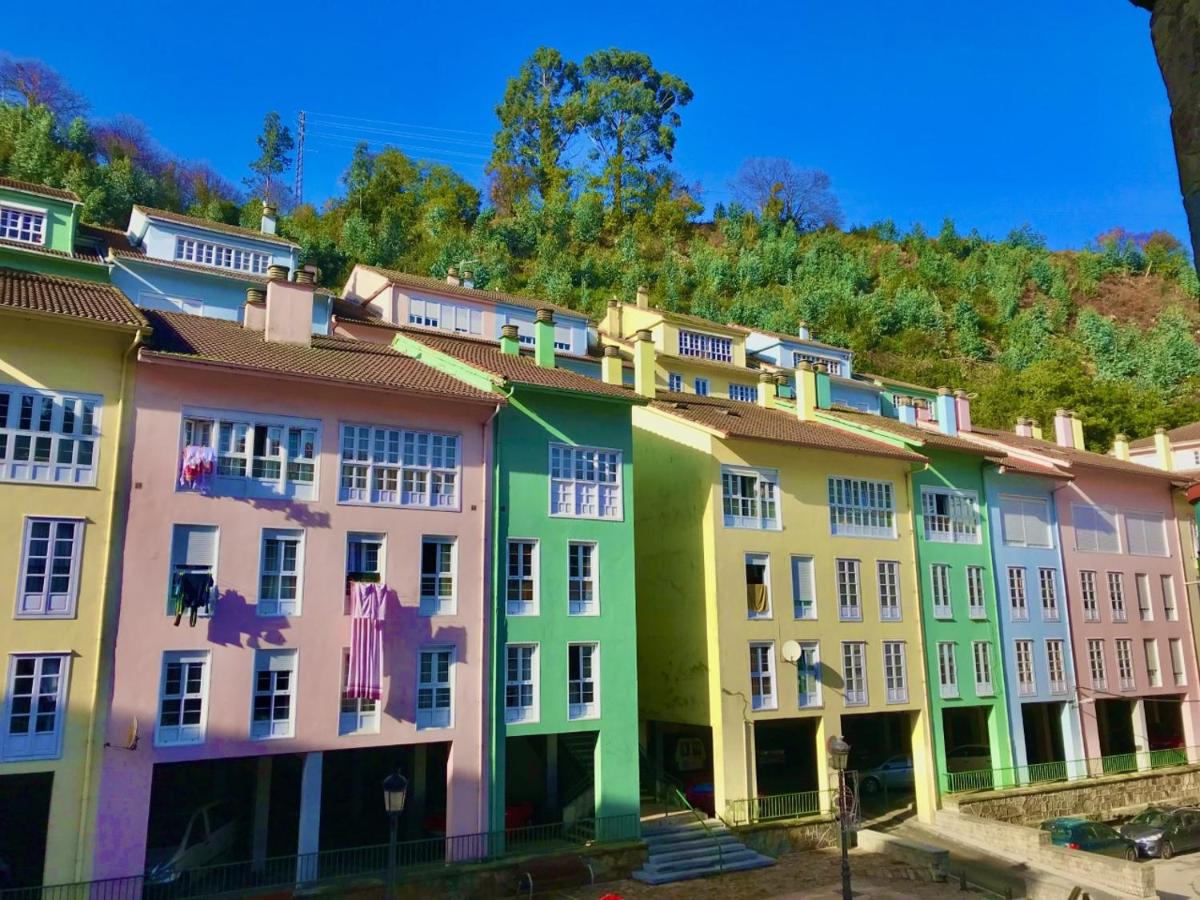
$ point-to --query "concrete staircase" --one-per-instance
(682, 847)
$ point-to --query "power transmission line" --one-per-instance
(483, 134)
(351, 140)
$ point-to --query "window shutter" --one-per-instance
(194, 545)
(1013, 520)
(1037, 523)
(802, 582)
(1146, 534)
(562, 335)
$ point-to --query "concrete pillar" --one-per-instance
(827, 727)
(1072, 740)
(925, 781)
(262, 812)
(417, 788)
(309, 840)
(1141, 737)
(1089, 720)
(553, 812)
(1020, 755)
(729, 754)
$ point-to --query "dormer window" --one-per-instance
(833, 365)
(22, 224)
(221, 256)
(705, 346)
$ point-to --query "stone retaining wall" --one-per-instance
(788, 836)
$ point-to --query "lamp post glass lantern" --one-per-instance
(839, 759)
(395, 793)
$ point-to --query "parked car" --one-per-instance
(700, 793)
(1164, 831)
(209, 833)
(968, 758)
(1093, 837)
(894, 773)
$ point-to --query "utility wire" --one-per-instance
(363, 129)
(351, 141)
(482, 134)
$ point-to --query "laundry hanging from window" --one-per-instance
(193, 592)
(197, 466)
(756, 587)
(364, 679)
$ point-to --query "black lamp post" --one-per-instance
(395, 793)
(839, 758)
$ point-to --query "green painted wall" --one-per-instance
(61, 219)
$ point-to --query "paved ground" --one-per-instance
(1178, 879)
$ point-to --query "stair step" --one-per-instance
(727, 856)
(700, 872)
(693, 849)
(666, 836)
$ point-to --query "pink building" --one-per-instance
(1130, 624)
(333, 461)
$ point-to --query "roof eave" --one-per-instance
(88, 321)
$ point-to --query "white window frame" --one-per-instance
(70, 597)
(272, 729)
(981, 653)
(364, 541)
(854, 673)
(939, 580)
(895, 671)
(1153, 661)
(761, 509)
(221, 256)
(958, 523)
(1048, 589)
(15, 747)
(1056, 665)
(522, 713)
(182, 734)
(764, 560)
(1025, 507)
(1089, 596)
(406, 468)
(808, 666)
(436, 604)
(1170, 601)
(584, 709)
(1018, 594)
(1126, 677)
(517, 579)
(356, 715)
(1026, 675)
(887, 574)
(832, 364)
(179, 567)
(37, 427)
(585, 587)
(1097, 664)
(804, 588)
(435, 696)
(23, 224)
(1093, 515)
(762, 674)
(1145, 600)
(277, 605)
(1146, 533)
(231, 435)
(976, 593)
(743, 393)
(947, 671)
(848, 575)
(705, 346)
(1116, 596)
(1178, 662)
(583, 477)
(862, 507)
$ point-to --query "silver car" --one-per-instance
(1164, 831)
(894, 773)
(209, 834)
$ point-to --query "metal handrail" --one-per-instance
(1067, 770)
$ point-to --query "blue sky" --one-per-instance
(1050, 112)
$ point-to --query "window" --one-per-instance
(1170, 610)
(950, 516)
(1087, 596)
(895, 676)
(1146, 534)
(748, 498)
(1096, 663)
(1056, 666)
(762, 675)
(674, 382)
(1150, 649)
(758, 586)
(279, 579)
(470, 321)
(395, 467)
(976, 594)
(1048, 586)
(256, 456)
(1125, 664)
(854, 672)
(585, 482)
(562, 338)
(982, 652)
(1178, 670)
(1095, 529)
(356, 715)
(804, 594)
(746, 393)
(1141, 583)
(701, 386)
(888, 573)
(48, 437)
(182, 694)
(1116, 596)
(1017, 601)
(939, 575)
(947, 670)
(437, 576)
(426, 313)
(433, 687)
(583, 694)
(583, 595)
(1025, 521)
(849, 588)
(705, 346)
(521, 591)
(49, 581)
(221, 256)
(193, 550)
(274, 687)
(33, 716)
(808, 675)
(835, 366)
(860, 508)
(364, 558)
(1026, 683)
(520, 683)
(21, 224)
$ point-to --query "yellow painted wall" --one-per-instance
(65, 356)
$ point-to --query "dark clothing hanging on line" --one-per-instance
(193, 592)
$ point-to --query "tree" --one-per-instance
(539, 116)
(1175, 32)
(36, 84)
(274, 144)
(630, 113)
(777, 187)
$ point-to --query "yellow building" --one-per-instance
(66, 369)
(777, 605)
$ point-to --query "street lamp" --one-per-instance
(395, 793)
(839, 758)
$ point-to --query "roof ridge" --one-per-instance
(185, 219)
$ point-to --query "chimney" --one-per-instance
(305, 276)
(254, 315)
(766, 390)
(804, 332)
(610, 366)
(269, 214)
(452, 276)
(1024, 427)
(276, 272)
(612, 318)
(947, 413)
(1120, 447)
(924, 411)
(824, 388)
(962, 410)
(510, 345)
(1164, 458)
(468, 279)
(643, 363)
(905, 411)
(1076, 430)
(289, 312)
(1064, 432)
(1035, 430)
(543, 338)
(806, 392)
(643, 296)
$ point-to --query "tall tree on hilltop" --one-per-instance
(539, 116)
(274, 144)
(778, 188)
(1175, 31)
(36, 84)
(630, 113)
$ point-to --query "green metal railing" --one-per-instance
(773, 806)
(1064, 770)
(1174, 756)
(1116, 764)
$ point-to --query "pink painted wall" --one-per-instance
(322, 629)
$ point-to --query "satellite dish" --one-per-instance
(791, 651)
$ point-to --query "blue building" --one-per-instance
(784, 352)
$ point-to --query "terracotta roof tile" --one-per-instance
(748, 420)
(77, 254)
(42, 190)
(349, 311)
(1025, 467)
(911, 433)
(1189, 432)
(794, 338)
(1071, 456)
(109, 238)
(441, 286)
(195, 222)
(183, 336)
(62, 296)
(140, 257)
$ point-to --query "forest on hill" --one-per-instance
(582, 204)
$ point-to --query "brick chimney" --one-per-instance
(289, 312)
(543, 338)
(766, 390)
(1064, 431)
(947, 413)
(452, 276)
(643, 364)
(610, 366)
(510, 344)
(962, 410)
(254, 313)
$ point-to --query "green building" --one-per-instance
(564, 730)
(40, 231)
